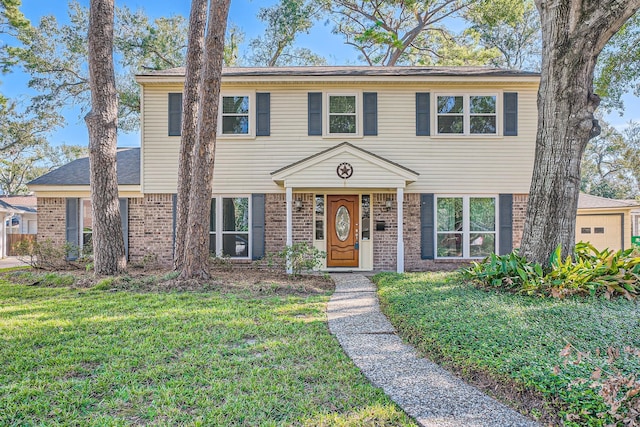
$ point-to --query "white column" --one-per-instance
(289, 225)
(400, 254)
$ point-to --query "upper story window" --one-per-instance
(466, 114)
(343, 114)
(235, 115)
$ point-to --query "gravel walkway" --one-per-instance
(428, 393)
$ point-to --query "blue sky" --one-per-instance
(243, 14)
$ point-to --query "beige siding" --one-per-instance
(445, 164)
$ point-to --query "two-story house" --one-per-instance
(384, 168)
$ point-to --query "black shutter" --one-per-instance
(175, 114)
(427, 221)
(73, 226)
(423, 112)
(510, 113)
(370, 100)
(263, 114)
(257, 225)
(124, 217)
(505, 210)
(315, 113)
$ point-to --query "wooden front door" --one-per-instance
(342, 229)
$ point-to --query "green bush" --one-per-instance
(302, 258)
(46, 255)
(587, 272)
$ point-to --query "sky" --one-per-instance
(243, 14)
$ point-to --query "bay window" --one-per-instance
(466, 226)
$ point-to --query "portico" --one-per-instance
(343, 180)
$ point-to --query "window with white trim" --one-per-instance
(466, 226)
(342, 110)
(466, 114)
(235, 115)
(229, 227)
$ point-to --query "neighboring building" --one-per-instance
(385, 168)
(607, 223)
(19, 220)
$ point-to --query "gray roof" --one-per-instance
(77, 172)
(587, 201)
(356, 71)
(7, 207)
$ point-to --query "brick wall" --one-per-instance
(275, 227)
(303, 219)
(384, 242)
(520, 202)
(52, 213)
(158, 228)
(275, 222)
(136, 229)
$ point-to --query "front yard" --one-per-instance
(510, 345)
(109, 355)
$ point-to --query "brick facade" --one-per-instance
(520, 202)
(52, 213)
(152, 220)
(151, 227)
(384, 242)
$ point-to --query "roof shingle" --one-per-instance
(77, 172)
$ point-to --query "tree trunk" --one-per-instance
(573, 34)
(190, 103)
(102, 122)
(196, 259)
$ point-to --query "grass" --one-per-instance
(514, 340)
(72, 356)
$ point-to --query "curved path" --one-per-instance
(428, 393)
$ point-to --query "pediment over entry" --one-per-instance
(344, 166)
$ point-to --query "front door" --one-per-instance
(342, 230)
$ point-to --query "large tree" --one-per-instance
(195, 261)
(55, 57)
(189, 133)
(512, 27)
(393, 32)
(285, 20)
(574, 32)
(25, 152)
(102, 122)
(611, 163)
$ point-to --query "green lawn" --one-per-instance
(515, 340)
(94, 357)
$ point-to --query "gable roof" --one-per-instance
(25, 204)
(587, 201)
(320, 170)
(77, 172)
(335, 71)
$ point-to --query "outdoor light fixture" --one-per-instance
(298, 204)
(388, 205)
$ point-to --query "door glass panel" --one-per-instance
(343, 223)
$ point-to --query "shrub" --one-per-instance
(302, 257)
(47, 256)
(588, 272)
